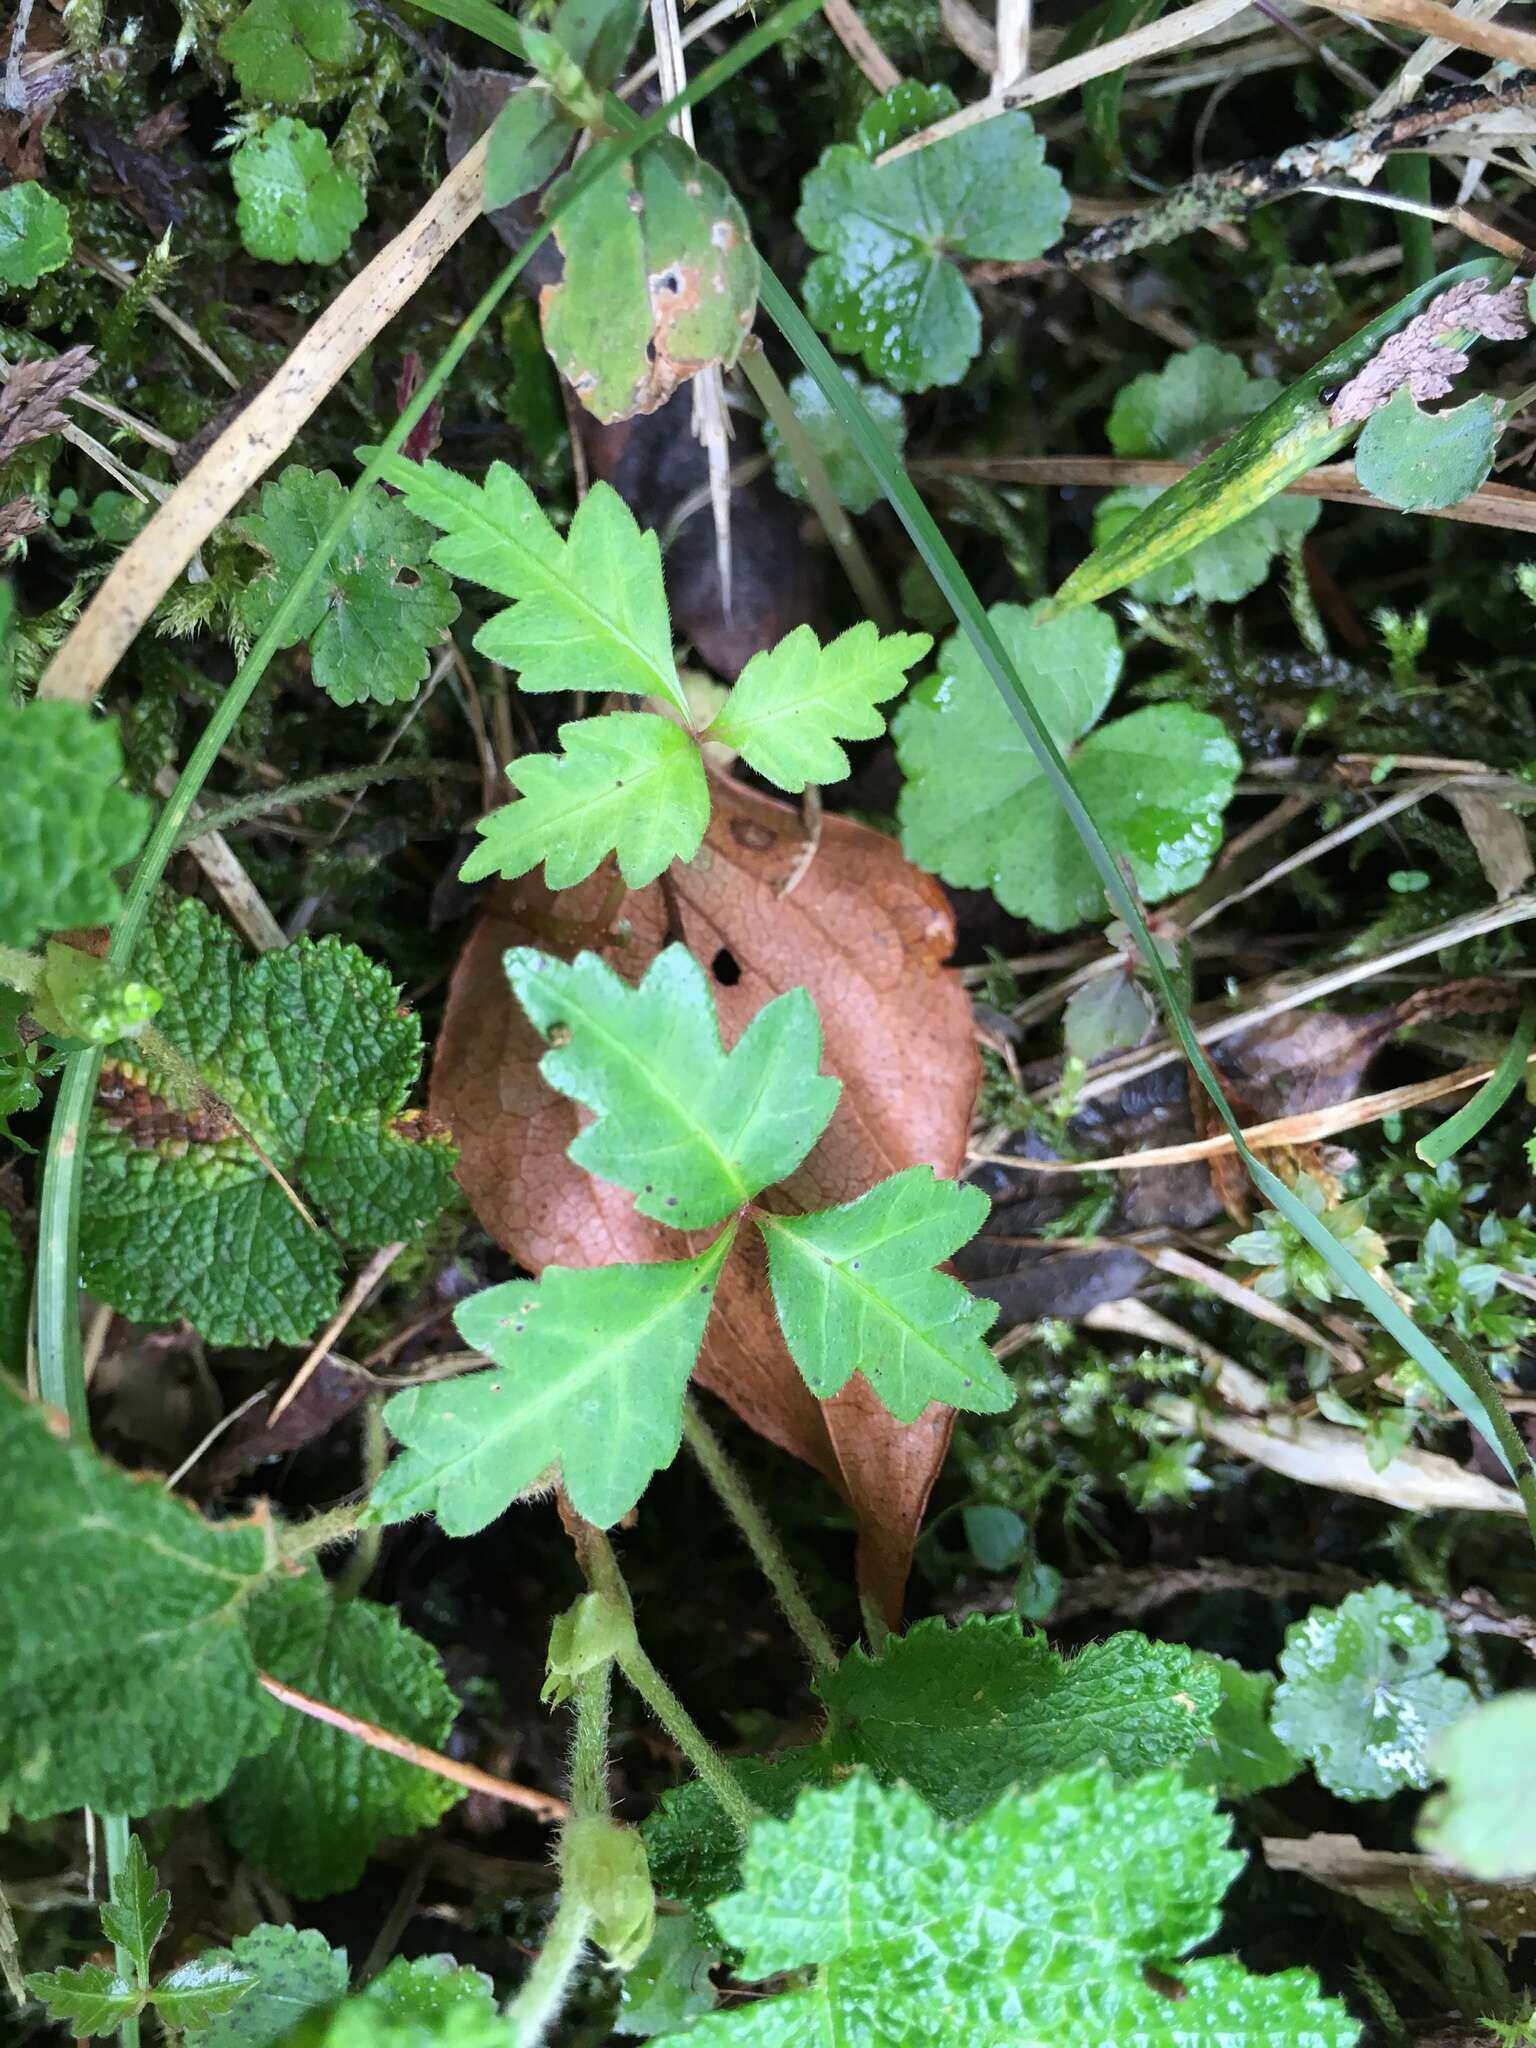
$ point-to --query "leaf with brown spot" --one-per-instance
(867, 935)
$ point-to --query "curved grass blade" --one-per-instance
(1479, 1403)
(1289, 437)
(1447, 1139)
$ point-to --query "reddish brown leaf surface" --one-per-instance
(867, 934)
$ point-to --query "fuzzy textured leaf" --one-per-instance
(591, 1367)
(294, 1975)
(276, 47)
(691, 1130)
(126, 1675)
(1482, 1820)
(1051, 1918)
(307, 1048)
(1423, 461)
(960, 1714)
(629, 783)
(977, 808)
(296, 204)
(854, 482)
(34, 234)
(791, 704)
(377, 609)
(1361, 1697)
(92, 2000)
(856, 1291)
(589, 611)
(67, 821)
(886, 284)
(310, 1809)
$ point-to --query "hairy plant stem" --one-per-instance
(761, 1537)
(116, 1834)
(835, 522)
(605, 1578)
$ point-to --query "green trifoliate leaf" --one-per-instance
(978, 810)
(532, 133)
(126, 1675)
(15, 1294)
(602, 1864)
(194, 1994)
(691, 1130)
(378, 607)
(961, 1714)
(294, 1974)
(1195, 400)
(1423, 461)
(1056, 1917)
(589, 612)
(92, 2000)
(34, 234)
(310, 1809)
(886, 285)
(660, 280)
(856, 1291)
(134, 1917)
(427, 2003)
(591, 1367)
(629, 783)
(792, 703)
(276, 47)
(296, 204)
(67, 821)
(1482, 1820)
(1361, 1697)
(850, 476)
(307, 1049)
(669, 1987)
(1242, 1754)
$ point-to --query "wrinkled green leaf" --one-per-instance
(792, 703)
(629, 783)
(589, 612)
(660, 280)
(277, 48)
(691, 1130)
(34, 234)
(67, 821)
(886, 284)
(960, 1714)
(426, 2003)
(134, 1917)
(1361, 1697)
(695, 1852)
(856, 1291)
(1482, 1820)
(310, 1809)
(296, 204)
(126, 1675)
(307, 1048)
(90, 2001)
(1422, 461)
(854, 482)
(377, 609)
(591, 1367)
(294, 1974)
(1051, 1918)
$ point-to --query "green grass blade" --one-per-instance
(1487, 1416)
(1447, 1139)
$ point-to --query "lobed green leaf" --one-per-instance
(792, 703)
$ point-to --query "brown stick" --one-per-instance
(267, 427)
(1431, 18)
(845, 22)
(542, 1805)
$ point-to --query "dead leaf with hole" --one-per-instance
(867, 934)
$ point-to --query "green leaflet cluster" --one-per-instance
(303, 1064)
(589, 612)
(591, 1365)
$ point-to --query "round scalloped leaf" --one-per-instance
(297, 1976)
(1423, 461)
(1482, 1820)
(296, 204)
(34, 234)
(67, 821)
(276, 48)
(850, 476)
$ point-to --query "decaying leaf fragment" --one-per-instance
(1421, 359)
(34, 393)
(660, 281)
(867, 935)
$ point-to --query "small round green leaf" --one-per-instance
(296, 204)
(848, 473)
(34, 234)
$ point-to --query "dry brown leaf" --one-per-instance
(1419, 359)
(19, 518)
(1498, 839)
(1391, 1881)
(33, 395)
(867, 935)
